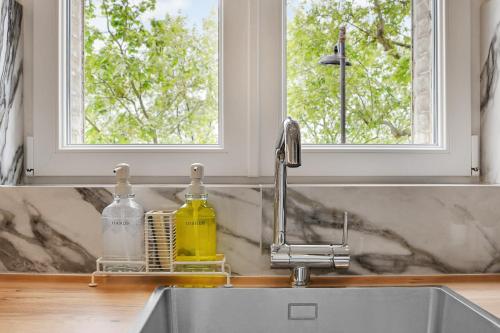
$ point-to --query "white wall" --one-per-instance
(475, 70)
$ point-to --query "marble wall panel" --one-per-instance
(58, 229)
(11, 93)
(490, 91)
(398, 229)
(393, 229)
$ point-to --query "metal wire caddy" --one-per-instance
(160, 255)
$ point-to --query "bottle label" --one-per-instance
(120, 222)
(124, 221)
(200, 222)
(123, 238)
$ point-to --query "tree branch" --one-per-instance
(93, 124)
(124, 55)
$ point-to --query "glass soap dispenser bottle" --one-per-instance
(123, 226)
(195, 222)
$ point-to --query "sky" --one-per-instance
(293, 4)
(197, 10)
(194, 10)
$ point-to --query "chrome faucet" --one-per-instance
(300, 258)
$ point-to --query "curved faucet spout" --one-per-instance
(287, 154)
(289, 144)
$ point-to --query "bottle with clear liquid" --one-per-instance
(123, 226)
(196, 222)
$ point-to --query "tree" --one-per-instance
(379, 96)
(149, 81)
(155, 81)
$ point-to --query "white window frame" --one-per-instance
(52, 157)
(451, 156)
(252, 101)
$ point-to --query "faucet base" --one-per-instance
(301, 276)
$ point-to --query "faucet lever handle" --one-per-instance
(345, 233)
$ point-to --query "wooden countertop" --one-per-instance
(58, 303)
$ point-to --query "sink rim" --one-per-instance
(160, 290)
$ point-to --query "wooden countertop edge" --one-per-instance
(64, 303)
(261, 281)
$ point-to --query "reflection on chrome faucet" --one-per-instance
(300, 258)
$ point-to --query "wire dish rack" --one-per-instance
(160, 255)
(160, 241)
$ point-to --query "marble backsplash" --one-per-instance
(490, 91)
(393, 229)
(11, 93)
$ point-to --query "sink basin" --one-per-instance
(336, 310)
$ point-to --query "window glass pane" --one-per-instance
(150, 72)
(389, 82)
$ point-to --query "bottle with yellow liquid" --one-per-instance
(195, 222)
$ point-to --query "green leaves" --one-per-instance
(379, 96)
(155, 80)
(149, 81)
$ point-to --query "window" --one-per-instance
(164, 83)
(429, 136)
(195, 114)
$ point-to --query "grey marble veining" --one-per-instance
(46, 230)
(490, 91)
(11, 93)
(58, 229)
(490, 70)
(398, 229)
(394, 229)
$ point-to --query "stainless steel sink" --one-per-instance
(336, 310)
